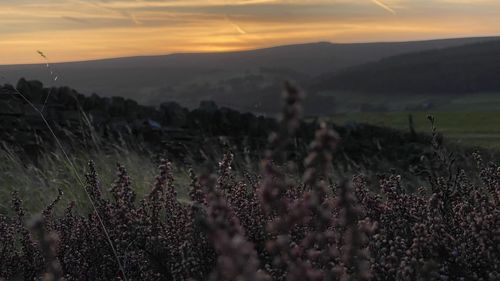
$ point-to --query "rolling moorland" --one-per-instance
(338, 195)
(459, 85)
(394, 75)
(472, 68)
(252, 76)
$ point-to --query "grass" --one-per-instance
(38, 183)
(469, 128)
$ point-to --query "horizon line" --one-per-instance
(252, 49)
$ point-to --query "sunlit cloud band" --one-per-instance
(68, 30)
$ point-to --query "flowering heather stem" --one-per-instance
(237, 258)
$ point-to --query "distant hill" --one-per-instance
(188, 78)
(464, 69)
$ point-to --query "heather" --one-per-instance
(272, 225)
(118, 130)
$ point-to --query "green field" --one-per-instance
(480, 128)
(346, 102)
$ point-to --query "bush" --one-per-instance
(269, 227)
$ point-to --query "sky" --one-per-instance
(73, 30)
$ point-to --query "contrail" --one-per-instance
(384, 6)
(101, 5)
(239, 29)
(236, 26)
(132, 17)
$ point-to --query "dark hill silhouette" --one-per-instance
(457, 70)
(181, 77)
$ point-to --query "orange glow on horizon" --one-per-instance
(77, 30)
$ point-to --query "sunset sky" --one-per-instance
(68, 30)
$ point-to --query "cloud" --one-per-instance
(238, 28)
(384, 6)
(88, 29)
(74, 19)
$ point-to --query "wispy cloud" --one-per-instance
(74, 19)
(104, 5)
(88, 29)
(384, 6)
(238, 28)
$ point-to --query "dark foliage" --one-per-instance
(269, 228)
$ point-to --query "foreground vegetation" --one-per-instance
(267, 228)
(38, 182)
